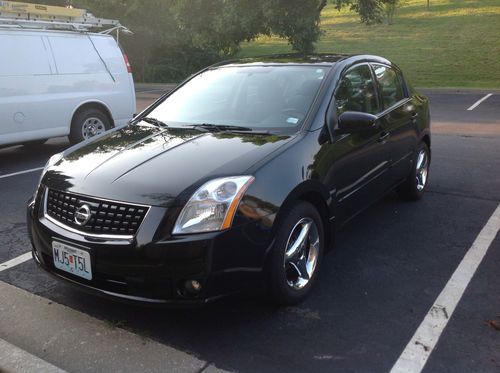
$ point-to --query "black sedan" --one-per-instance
(238, 178)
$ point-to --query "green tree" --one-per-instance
(173, 38)
(222, 25)
(372, 11)
(390, 7)
(176, 37)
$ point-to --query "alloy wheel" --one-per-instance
(422, 169)
(301, 255)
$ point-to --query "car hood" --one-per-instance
(146, 164)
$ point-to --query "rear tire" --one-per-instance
(88, 123)
(413, 188)
(295, 259)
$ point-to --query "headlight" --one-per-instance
(212, 206)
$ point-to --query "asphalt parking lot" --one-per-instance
(377, 285)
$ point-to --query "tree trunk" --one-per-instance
(322, 4)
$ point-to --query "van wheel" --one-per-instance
(414, 186)
(296, 256)
(34, 144)
(88, 123)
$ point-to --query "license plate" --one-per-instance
(72, 260)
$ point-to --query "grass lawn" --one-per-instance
(454, 44)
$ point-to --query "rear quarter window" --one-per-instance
(18, 54)
(75, 55)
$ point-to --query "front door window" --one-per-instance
(356, 92)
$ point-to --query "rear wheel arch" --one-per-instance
(426, 138)
(94, 105)
(90, 119)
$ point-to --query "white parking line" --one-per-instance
(420, 347)
(16, 261)
(478, 102)
(21, 172)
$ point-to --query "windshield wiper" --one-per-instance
(154, 121)
(224, 127)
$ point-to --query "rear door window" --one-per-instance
(356, 91)
(76, 55)
(390, 85)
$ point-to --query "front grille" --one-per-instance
(106, 217)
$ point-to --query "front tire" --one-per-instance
(88, 123)
(414, 186)
(296, 256)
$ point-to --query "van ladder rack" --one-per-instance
(14, 14)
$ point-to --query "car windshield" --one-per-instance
(258, 97)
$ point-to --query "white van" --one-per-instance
(58, 83)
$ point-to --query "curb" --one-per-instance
(155, 86)
(458, 91)
(13, 359)
(78, 342)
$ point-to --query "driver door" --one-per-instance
(361, 159)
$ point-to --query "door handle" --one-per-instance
(384, 136)
(414, 116)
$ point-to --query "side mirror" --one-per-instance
(356, 121)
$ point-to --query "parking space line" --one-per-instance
(16, 261)
(21, 172)
(421, 345)
(478, 102)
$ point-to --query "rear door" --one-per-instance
(361, 159)
(398, 120)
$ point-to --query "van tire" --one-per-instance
(96, 119)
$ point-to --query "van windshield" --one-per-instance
(260, 97)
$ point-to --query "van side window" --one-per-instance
(356, 91)
(75, 55)
(23, 55)
(390, 84)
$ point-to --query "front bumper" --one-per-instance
(149, 270)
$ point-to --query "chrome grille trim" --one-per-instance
(85, 233)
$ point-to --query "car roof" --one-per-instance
(325, 59)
